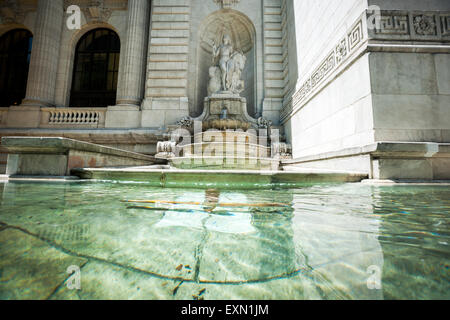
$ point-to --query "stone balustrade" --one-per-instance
(69, 118)
(93, 118)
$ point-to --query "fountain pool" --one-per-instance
(317, 241)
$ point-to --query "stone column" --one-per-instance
(130, 90)
(45, 54)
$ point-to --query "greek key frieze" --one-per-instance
(395, 24)
(417, 26)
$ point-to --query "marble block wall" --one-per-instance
(328, 107)
(356, 85)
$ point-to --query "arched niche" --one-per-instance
(243, 35)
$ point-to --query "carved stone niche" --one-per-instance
(242, 34)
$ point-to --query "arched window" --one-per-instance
(96, 69)
(15, 53)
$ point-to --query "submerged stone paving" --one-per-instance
(30, 267)
(307, 251)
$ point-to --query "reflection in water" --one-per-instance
(208, 215)
(326, 242)
(414, 236)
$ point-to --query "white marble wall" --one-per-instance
(339, 117)
(411, 96)
(386, 91)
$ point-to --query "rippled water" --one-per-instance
(338, 241)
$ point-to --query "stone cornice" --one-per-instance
(413, 26)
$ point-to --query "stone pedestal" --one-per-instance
(235, 106)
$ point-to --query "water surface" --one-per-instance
(329, 241)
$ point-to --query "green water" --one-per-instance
(337, 241)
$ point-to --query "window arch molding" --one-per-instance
(95, 68)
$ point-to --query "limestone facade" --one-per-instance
(319, 70)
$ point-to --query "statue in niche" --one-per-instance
(225, 75)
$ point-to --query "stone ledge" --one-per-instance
(49, 156)
(96, 136)
(383, 149)
(44, 145)
(374, 182)
(221, 179)
(385, 160)
(52, 179)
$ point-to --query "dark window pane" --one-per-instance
(15, 49)
(112, 60)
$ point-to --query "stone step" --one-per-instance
(226, 149)
(220, 179)
(225, 163)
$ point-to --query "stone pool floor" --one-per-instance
(32, 269)
(318, 246)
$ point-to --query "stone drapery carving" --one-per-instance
(165, 150)
(228, 64)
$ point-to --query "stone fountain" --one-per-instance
(225, 136)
